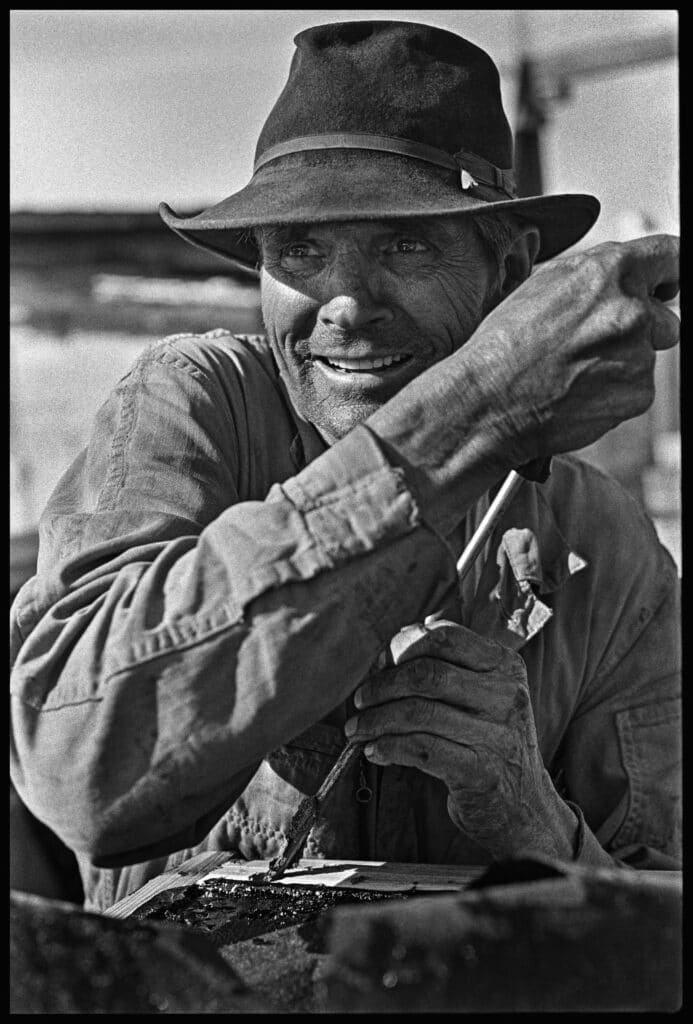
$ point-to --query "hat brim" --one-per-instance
(366, 187)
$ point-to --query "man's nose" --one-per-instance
(353, 304)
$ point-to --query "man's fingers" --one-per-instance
(666, 327)
(653, 265)
(412, 715)
(405, 716)
(449, 642)
(434, 755)
(437, 680)
(666, 292)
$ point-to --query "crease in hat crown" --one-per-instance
(378, 119)
(399, 79)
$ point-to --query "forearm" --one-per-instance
(561, 833)
(449, 433)
(552, 828)
(567, 837)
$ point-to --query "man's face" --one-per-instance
(356, 310)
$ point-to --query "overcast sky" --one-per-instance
(126, 108)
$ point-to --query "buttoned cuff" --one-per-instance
(351, 499)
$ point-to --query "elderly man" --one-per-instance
(256, 520)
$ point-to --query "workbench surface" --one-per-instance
(526, 935)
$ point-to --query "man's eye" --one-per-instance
(405, 245)
(299, 250)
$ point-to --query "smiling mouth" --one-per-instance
(380, 364)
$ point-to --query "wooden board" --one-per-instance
(371, 876)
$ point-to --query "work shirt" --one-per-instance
(213, 582)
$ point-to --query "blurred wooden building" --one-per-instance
(103, 271)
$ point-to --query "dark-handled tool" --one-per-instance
(307, 813)
(310, 807)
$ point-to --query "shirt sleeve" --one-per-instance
(174, 634)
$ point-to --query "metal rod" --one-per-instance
(494, 512)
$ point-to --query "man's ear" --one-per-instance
(519, 260)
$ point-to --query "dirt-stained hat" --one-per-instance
(378, 120)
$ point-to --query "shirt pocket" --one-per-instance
(650, 743)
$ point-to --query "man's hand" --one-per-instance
(571, 353)
(564, 358)
(457, 707)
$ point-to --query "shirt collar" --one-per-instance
(307, 443)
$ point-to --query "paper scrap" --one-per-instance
(329, 873)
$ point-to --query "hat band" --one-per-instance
(473, 169)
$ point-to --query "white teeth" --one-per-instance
(359, 365)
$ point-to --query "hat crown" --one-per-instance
(394, 78)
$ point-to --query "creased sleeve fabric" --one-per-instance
(176, 630)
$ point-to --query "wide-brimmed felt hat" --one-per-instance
(381, 120)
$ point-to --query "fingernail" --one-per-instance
(350, 727)
(358, 699)
(368, 749)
